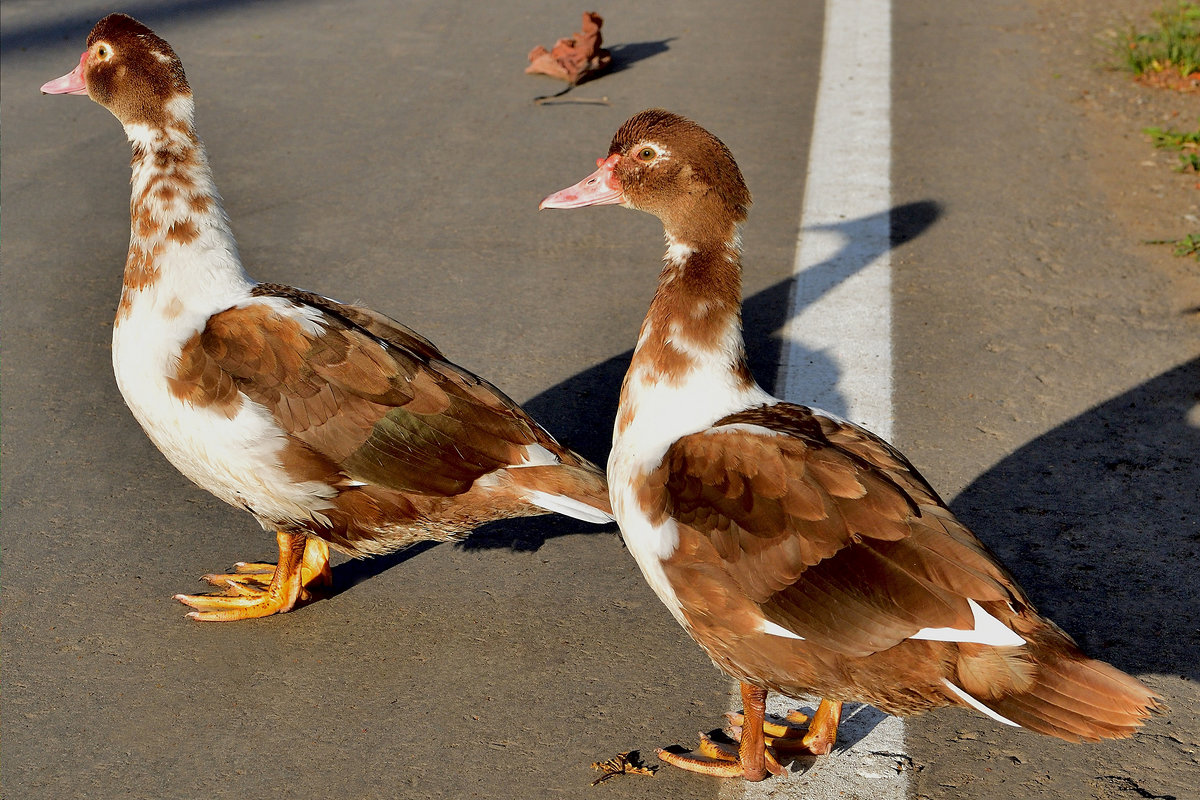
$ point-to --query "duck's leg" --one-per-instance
(303, 561)
(790, 738)
(314, 570)
(751, 761)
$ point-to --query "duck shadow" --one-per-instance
(1099, 520)
(354, 571)
(856, 723)
(569, 409)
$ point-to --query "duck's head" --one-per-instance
(127, 69)
(671, 167)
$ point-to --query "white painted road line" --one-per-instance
(838, 341)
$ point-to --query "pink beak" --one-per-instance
(600, 188)
(71, 83)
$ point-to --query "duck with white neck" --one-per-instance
(330, 423)
(803, 553)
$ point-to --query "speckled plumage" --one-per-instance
(802, 552)
(321, 419)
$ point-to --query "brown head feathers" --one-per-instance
(133, 72)
(675, 169)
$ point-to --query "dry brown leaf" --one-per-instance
(576, 59)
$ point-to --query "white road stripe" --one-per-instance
(838, 340)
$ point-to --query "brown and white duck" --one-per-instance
(330, 423)
(802, 552)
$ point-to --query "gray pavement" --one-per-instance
(390, 152)
(1048, 383)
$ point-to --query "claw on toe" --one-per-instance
(762, 744)
(790, 737)
(718, 764)
(260, 590)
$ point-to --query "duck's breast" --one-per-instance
(216, 436)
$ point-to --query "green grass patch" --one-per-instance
(1172, 45)
(1173, 140)
(1187, 246)
(1186, 142)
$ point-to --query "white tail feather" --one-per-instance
(978, 706)
(568, 506)
(987, 630)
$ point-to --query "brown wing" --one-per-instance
(365, 394)
(828, 529)
(374, 323)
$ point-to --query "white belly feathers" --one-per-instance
(238, 458)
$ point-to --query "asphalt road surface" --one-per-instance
(1045, 381)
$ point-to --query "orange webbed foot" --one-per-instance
(822, 731)
(790, 737)
(751, 759)
(315, 571)
(260, 590)
(719, 760)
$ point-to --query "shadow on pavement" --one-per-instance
(74, 26)
(862, 245)
(1099, 520)
(626, 55)
(580, 410)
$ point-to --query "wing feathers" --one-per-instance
(362, 391)
(834, 538)
(827, 528)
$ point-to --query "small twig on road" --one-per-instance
(594, 101)
(550, 99)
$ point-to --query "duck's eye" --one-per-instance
(646, 154)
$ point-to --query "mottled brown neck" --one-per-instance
(172, 186)
(695, 317)
(173, 198)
